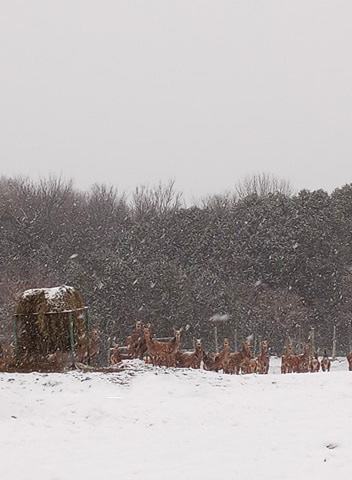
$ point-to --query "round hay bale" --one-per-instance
(43, 322)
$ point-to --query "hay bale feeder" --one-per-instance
(50, 326)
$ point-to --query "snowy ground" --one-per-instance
(147, 423)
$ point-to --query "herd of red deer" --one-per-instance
(166, 353)
(142, 345)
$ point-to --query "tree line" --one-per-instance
(274, 263)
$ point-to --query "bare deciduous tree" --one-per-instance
(262, 184)
(158, 200)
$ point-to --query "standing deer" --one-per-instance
(239, 361)
(7, 355)
(172, 347)
(208, 360)
(304, 359)
(191, 360)
(314, 365)
(162, 353)
(90, 353)
(325, 361)
(134, 340)
(222, 359)
(115, 356)
(152, 350)
(349, 359)
(263, 358)
(286, 359)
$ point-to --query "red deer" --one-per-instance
(239, 361)
(134, 340)
(7, 355)
(208, 360)
(349, 359)
(263, 358)
(140, 348)
(286, 359)
(304, 359)
(314, 365)
(190, 360)
(300, 363)
(248, 364)
(152, 351)
(172, 347)
(251, 366)
(115, 356)
(325, 361)
(294, 362)
(222, 359)
(90, 353)
(162, 353)
(2, 355)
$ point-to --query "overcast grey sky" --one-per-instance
(204, 92)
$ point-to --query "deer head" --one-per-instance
(178, 333)
(148, 331)
(95, 335)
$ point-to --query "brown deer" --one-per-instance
(286, 359)
(222, 359)
(162, 353)
(153, 352)
(304, 359)
(2, 356)
(89, 353)
(300, 363)
(239, 361)
(134, 340)
(94, 346)
(140, 348)
(325, 361)
(251, 366)
(172, 347)
(208, 360)
(7, 355)
(115, 356)
(191, 360)
(263, 358)
(314, 365)
(349, 359)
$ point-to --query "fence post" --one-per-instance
(15, 335)
(334, 343)
(216, 339)
(312, 339)
(255, 345)
(72, 339)
(109, 344)
(86, 316)
(236, 340)
(260, 339)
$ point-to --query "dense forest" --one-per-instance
(272, 262)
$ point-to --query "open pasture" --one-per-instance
(156, 423)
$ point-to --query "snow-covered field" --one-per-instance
(152, 423)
